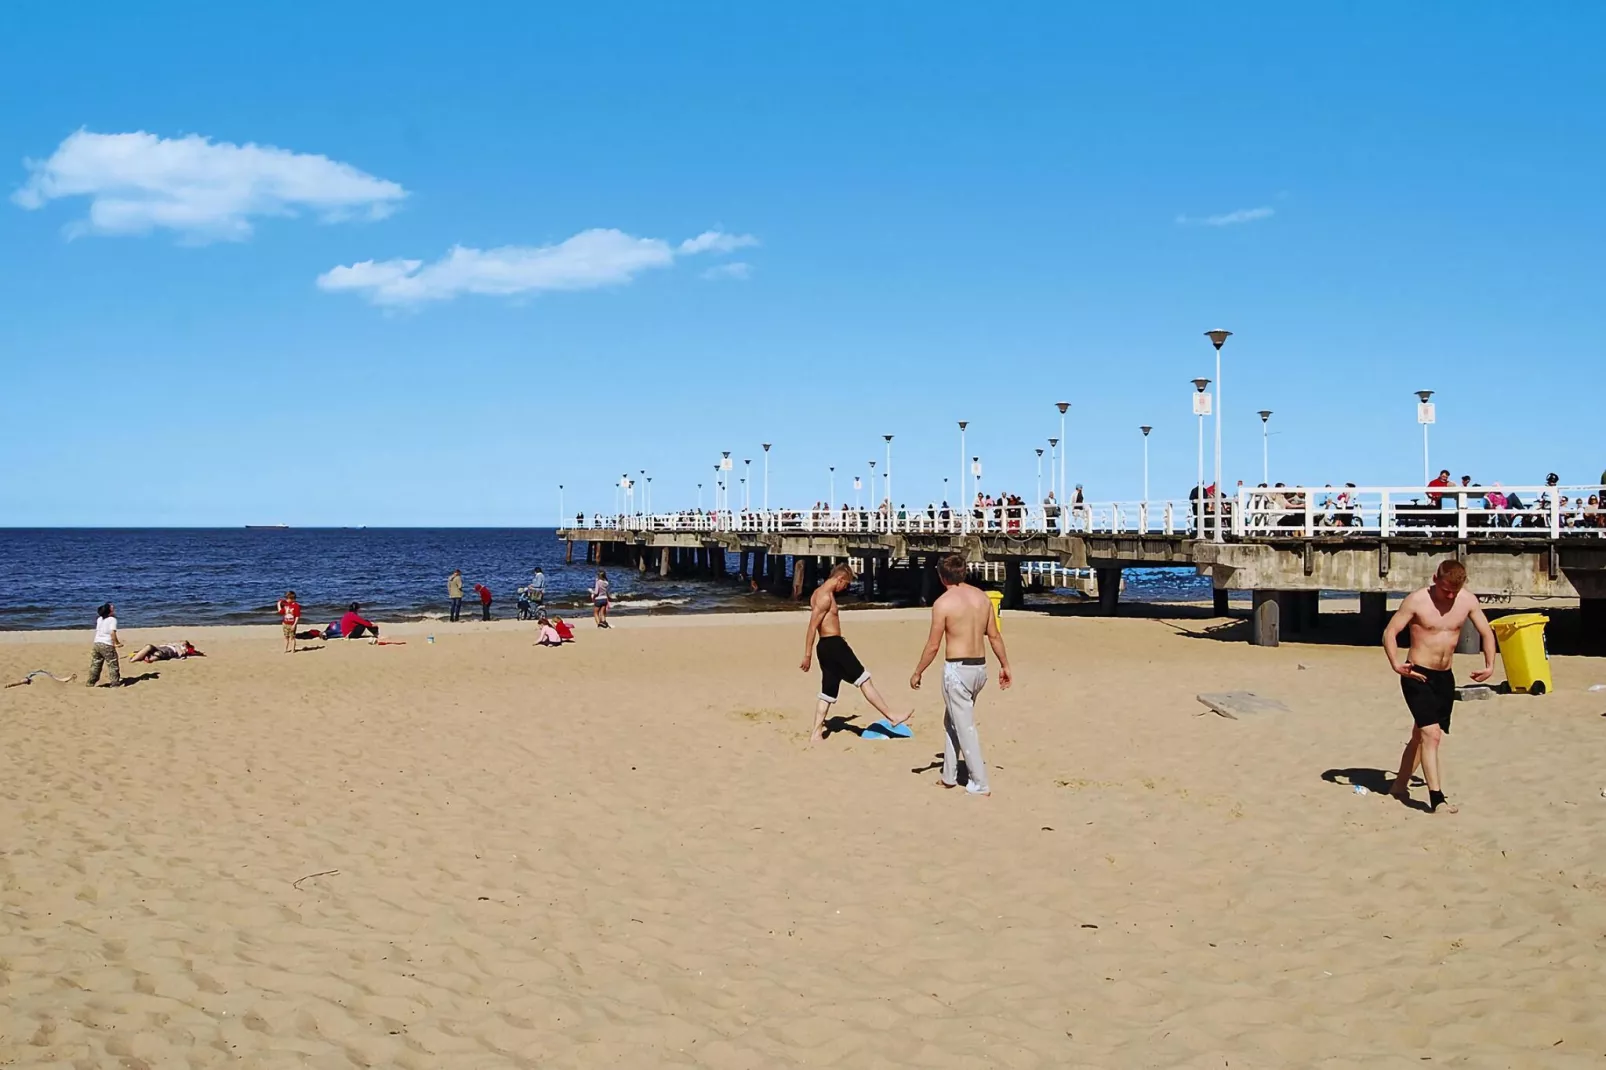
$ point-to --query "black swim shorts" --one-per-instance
(837, 663)
(1432, 701)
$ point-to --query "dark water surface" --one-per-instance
(54, 578)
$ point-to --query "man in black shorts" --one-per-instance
(1434, 615)
(837, 660)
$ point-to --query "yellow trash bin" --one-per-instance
(997, 599)
(1522, 648)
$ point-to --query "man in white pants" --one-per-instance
(960, 619)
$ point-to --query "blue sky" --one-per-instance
(914, 214)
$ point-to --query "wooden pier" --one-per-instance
(1286, 553)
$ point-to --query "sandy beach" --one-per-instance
(477, 853)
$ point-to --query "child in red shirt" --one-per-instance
(485, 600)
(290, 613)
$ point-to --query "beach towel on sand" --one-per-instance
(883, 730)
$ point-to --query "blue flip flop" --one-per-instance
(883, 729)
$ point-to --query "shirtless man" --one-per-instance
(961, 618)
(837, 660)
(1435, 615)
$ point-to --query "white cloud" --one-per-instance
(716, 241)
(587, 261)
(1228, 219)
(204, 190)
(736, 269)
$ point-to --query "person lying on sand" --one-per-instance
(28, 679)
(167, 652)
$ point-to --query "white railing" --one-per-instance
(1158, 518)
(1466, 513)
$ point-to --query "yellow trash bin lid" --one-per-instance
(997, 599)
(1508, 625)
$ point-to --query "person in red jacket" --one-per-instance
(485, 600)
(353, 626)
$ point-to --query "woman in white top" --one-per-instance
(104, 652)
(599, 599)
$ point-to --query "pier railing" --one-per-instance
(1465, 513)
(1159, 518)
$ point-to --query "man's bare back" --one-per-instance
(962, 626)
(965, 613)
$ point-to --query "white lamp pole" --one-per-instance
(890, 506)
(1201, 409)
(725, 480)
(857, 484)
(1053, 468)
(766, 477)
(560, 505)
(1265, 447)
(1039, 476)
(1217, 337)
(962, 425)
(1146, 429)
(747, 483)
(719, 480)
(1425, 415)
(832, 496)
(1065, 446)
(649, 495)
(699, 497)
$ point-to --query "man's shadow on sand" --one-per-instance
(842, 723)
(1376, 781)
(130, 681)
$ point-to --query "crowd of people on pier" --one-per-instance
(1275, 507)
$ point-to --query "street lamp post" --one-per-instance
(962, 425)
(1039, 477)
(1265, 447)
(890, 506)
(719, 480)
(766, 477)
(725, 480)
(1217, 337)
(1066, 448)
(560, 505)
(1426, 414)
(699, 497)
(747, 476)
(832, 497)
(857, 485)
(649, 495)
(1146, 429)
(1201, 409)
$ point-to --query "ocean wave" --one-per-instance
(649, 603)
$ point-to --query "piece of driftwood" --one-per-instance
(1233, 703)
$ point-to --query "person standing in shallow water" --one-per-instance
(454, 592)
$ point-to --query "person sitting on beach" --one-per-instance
(549, 635)
(353, 626)
(167, 652)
